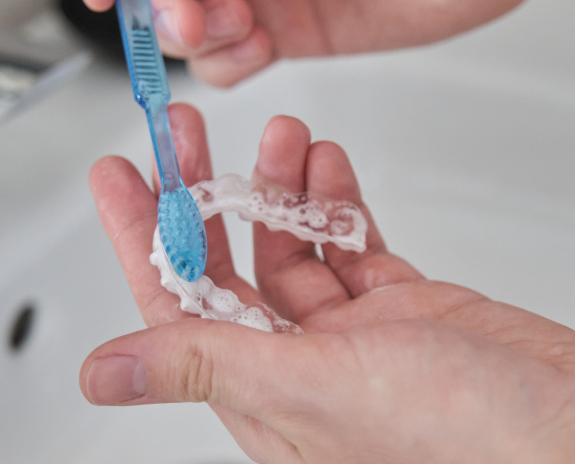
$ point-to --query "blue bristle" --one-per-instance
(186, 247)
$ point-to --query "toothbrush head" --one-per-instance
(183, 233)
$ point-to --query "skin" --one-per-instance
(393, 368)
(225, 41)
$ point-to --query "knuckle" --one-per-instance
(192, 378)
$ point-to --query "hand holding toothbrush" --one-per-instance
(393, 368)
(225, 41)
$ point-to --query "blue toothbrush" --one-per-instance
(181, 226)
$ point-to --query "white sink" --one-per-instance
(464, 151)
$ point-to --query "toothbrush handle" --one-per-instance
(142, 52)
(164, 148)
(149, 83)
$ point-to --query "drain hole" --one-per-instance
(22, 327)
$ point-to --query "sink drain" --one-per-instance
(22, 327)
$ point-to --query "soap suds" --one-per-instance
(305, 215)
(204, 298)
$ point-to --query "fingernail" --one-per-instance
(116, 379)
(166, 22)
(221, 23)
(248, 50)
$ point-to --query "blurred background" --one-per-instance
(464, 151)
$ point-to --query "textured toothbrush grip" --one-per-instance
(143, 55)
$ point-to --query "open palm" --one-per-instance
(393, 368)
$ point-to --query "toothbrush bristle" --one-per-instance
(144, 59)
(183, 234)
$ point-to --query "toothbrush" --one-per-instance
(181, 227)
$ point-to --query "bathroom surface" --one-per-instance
(465, 152)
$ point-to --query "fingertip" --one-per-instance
(99, 5)
(83, 378)
(106, 169)
(228, 19)
(190, 27)
(183, 114)
(95, 173)
(120, 193)
(180, 24)
(282, 152)
(281, 129)
(188, 130)
(191, 22)
(329, 172)
(108, 162)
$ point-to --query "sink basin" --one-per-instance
(464, 152)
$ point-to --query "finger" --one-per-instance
(189, 133)
(188, 29)
(216, 362)
(182, 23)
(99, 5)
(127, 209)
(229, 65)
(191, 146)
(240, 372)
(289, 274)
(330, 174)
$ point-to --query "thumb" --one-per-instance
(193, 360)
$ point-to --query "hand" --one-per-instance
(393, 368)
(226, 41)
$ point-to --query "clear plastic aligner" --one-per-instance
(305, 215)
(204, 298)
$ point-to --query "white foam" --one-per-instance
(204, 298)
(307, 217)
